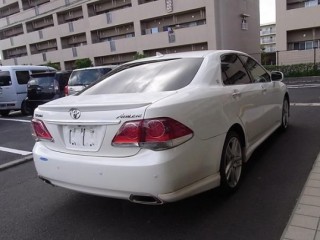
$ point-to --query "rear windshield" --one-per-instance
(152, 76)
(44, 81)
(5, 79)
(86, 76)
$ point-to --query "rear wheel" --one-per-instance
(285, 115)
(4, 113)
(24, 109)
(231, 162)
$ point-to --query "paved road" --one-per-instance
(260, 209)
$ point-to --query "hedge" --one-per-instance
(297, 70)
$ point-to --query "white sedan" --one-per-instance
(161, 129)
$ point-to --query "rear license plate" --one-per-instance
(81, 137)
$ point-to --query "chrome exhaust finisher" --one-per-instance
(46, 181)
(145, 199)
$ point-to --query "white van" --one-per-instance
(13, 86)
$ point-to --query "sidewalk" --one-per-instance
(304, 223)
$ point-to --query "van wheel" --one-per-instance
(24, 109)
(4, 113)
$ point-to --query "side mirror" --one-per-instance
(277, 76)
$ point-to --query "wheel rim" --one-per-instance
(233, 160)
(285, 114)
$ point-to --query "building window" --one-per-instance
(311, 3)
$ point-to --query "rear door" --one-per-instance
(7, 91)
(42, 87)
(22, 78)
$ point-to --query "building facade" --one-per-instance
(113, 31)
(298, 31)
(268, 37)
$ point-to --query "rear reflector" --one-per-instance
(155, 134)
(40, 132)
(66, 90)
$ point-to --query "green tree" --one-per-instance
(54, 65)
(83, 63)
(139, 56)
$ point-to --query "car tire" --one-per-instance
(285, 115)
(231, 165)
(4, 113)
(24, 109)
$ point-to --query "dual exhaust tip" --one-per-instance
(141, 199)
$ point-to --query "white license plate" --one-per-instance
(81, 137)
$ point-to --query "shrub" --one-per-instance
(297, 70)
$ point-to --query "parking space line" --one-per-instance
(16, 151)
(15, 120)
(305, 104)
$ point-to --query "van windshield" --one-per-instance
(85, 76)
(5, 79)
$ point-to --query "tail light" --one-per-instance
(40, 132)
(66, 90)
(155, 134)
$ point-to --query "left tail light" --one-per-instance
(40, 132)
(154, 134)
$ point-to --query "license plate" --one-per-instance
(81, 137)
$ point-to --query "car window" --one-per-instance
(148, 76)
(43, 81)
(5, 79)
(84, 77)
(233, 71)
(257, 72)
(22, 77)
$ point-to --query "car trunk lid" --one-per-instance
(86, 125)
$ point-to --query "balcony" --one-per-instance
(113, 33)
(105, 6)
(15, 52)
(9, 10)
(46, 46)
(27, 4)
(70, 15)
(74, 41)
(11, 32)
(40, 23)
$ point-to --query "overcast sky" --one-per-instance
(267, 11)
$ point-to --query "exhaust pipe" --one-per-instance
(46, 181)
(149, 200)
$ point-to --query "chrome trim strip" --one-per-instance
(88, 122)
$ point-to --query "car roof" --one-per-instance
(193, 54)
(98, 67)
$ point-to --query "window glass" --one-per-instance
(84, 77)
(22, 77)
(258, 73)
(149, 76)
(233, 72)
(5, 79)
(309, 44)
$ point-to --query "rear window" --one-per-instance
(5, 79)
(43, 81)
(152, 76)
(86, 76)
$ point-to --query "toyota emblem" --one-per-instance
(75, 113)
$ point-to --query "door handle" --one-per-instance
(264, 89)
(236, 94)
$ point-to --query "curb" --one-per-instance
(16, 162)
(300, 228)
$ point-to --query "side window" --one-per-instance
(233, 72)
(257, 72)
(22, 77)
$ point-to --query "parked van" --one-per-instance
(83, 77)
(13, 86)
(45, 87)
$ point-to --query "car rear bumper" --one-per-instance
(167, 176)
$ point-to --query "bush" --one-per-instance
(297, 70)
(83, 63)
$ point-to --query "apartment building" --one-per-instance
(113, 31)
(268, 37)
(298, 31)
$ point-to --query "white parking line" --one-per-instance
(16, 151)
(15, 120)
(304, 86)
(305, 104)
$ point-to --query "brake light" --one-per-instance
(66, 90)
(155, 134)
(40, 132)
